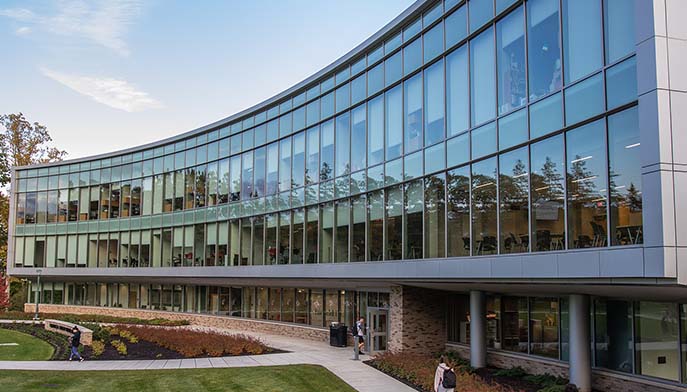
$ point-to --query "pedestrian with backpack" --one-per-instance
(444, 377)
(75, 341)
(360, 333)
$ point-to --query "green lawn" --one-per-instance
(29, 348)
(292, 378)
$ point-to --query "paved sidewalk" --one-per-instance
(337, 360)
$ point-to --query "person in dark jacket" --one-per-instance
(75, 342)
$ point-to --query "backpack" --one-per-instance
(354, 330)
(449, 379)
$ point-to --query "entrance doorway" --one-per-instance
(378, 330)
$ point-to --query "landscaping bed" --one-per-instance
(150, 342)
(92, 318)
(417, 371)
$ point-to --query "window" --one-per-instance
(285, 125)
(394, 122)
(413, 219)
(326, 233)
(546, 116)
(327, 106)
(393, 68)
(544, 327)
(481, 11)
(435, 158)
(272, 169)
(359, 212)
(434, 103)
(656, 339)
(246, 176)
(375, 79)
(514, 324)
(327, 151)
(458, 211)
(259, 172)
(582, 38)
(297, 234)
(435, 215)
(433, 42)
(456, 26)
(342, 231)
(298, 177)
(343, 97)
(457, 95)
(482, 73)
(343, 144)
(376, 225)
(312, 112)
(586, 188)
(311, 230)
(412, 56)
(284, 237)
(584, 100)
(412, 114)
(621, 83)
(285, 164)
(613, 333)
(394, 223)
(312, 167)
(483, 140)
(619, 28)
(547, 195)
(359, 145)
(513, 199)
(375, 129)
(510, 41)
(513, 129)
(358, 89)
(544, 54)
(484, 207)
(625, 178)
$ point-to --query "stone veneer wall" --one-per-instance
(418, 320)
(602, 380)
(227, 322)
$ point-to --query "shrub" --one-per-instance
(119, 346)
(515, 372)
(546, 380)
(128, 336)
(195, 343)
(98, 347)
(99, 333)
(419, 370)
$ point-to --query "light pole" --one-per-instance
(38, 288)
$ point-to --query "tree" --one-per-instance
(21, 143)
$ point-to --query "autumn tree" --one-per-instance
(21, 143)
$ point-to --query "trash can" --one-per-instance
(337, 335)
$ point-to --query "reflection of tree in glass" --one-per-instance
(547, 184)
(458, 194)
(513, 189)
(581, 186)
(325, 172)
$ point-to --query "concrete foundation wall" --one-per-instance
(234, 323)
(601, 380)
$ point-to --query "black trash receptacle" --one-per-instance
(337, 335)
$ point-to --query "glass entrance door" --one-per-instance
(377, 334)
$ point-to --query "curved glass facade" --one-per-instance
(497, 136)
(447, 138)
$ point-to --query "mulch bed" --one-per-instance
(372, 363)
(141, 350)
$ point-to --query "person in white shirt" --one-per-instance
(360, 329)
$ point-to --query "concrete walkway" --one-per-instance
(337, 360)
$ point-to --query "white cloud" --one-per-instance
(23, 31)
(104, 22)
(115, 93)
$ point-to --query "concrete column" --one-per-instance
(478, 329)
(580, 343)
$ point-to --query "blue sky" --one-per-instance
(103, 75)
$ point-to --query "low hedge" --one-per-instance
(93, 318)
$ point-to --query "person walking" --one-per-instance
(444, 377)
(75, 341)
(360, 331)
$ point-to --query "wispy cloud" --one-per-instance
(23, 31)
(103, 22)
(115, 93)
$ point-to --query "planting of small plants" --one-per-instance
(150, 342)
(92, 318)
(417, 371)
